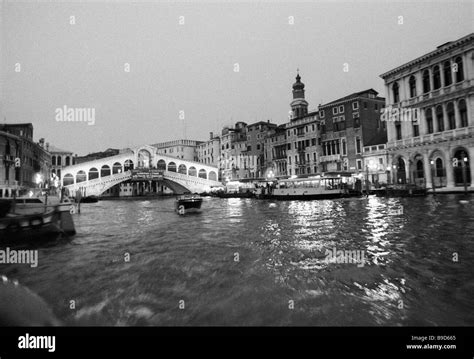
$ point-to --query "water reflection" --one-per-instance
(409, 277)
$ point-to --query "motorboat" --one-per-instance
(188, 203)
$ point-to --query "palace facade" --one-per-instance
(429, 114)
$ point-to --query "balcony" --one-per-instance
(433, 137)
(330, 158)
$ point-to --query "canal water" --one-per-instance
(259, 262)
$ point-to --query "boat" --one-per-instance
(315, 187)
(35, 213)
(401, 191)
(188, 203)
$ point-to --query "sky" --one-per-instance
(182, 60)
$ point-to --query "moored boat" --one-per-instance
(316, 187)
(35, 214)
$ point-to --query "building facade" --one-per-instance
(23, 163)
(346, 126)
(60, 159)
(429, 114)
(184, 149)
(209, 152)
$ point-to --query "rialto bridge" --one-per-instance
(141, 163)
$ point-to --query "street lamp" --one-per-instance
(464, 165)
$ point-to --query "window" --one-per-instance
(357, 122)
(334, 111)
(451, 117)
(376, 107)
(313, 142)
(358, 145)
(258, 146)
(416, 130)
(289, 146)
(429, 120)
(249, 148)
(355, 105)
(359, 164)
(458, 69)
(398, 130)
(436, 78)
(412, 84)
(344, 150)
(426, 81)
(463, 112)
(365, 105)
(439, 118)
(448, 80)
(312, 127)
(321, 113)
(341, 109)
(396, 92)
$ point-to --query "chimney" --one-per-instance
(47, 146)
(41, 142)
(211, 135)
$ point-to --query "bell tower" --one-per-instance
(299, 106)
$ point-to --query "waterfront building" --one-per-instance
(301, 135)
(59, 159)
(430, 123)
(184, 149)
(346, 126)
(376, 164)
(209, 152)
(275, 152)
(23, 162)
(253, 152)
(233, 144)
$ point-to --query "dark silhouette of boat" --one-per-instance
(188, 202)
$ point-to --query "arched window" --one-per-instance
(429, 120)
(396, 92)
(212, 176)
(93, 173)
(459, 69)
(451, 116)
(439, 168)
(68, 161)
(412, 83)
(128, 165)
(192, 171)
(53, 160)
(117, 168)
(58, 173)
(161, 165)
(105, 171)
(463, 113)
(81, 177)
(440, 118)
(182, 169)
(202, 173)
(59, 160)
(172, 167)
(448, 79)
(68, 179)
(436, 78)
(426, 81)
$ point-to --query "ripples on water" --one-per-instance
(246, 262)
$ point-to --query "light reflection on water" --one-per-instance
(408, 277)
